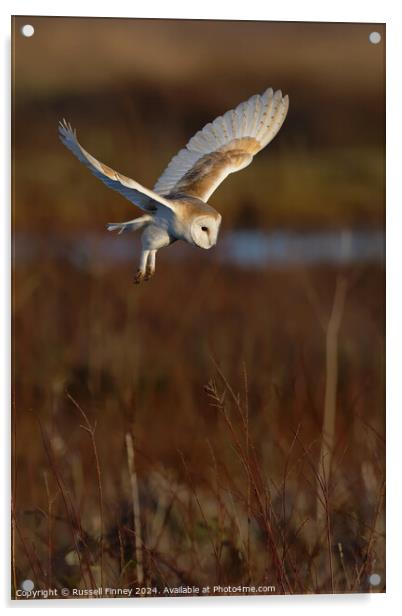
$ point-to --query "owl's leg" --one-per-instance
(140, 274)
(150, 269)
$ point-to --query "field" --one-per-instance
(221, 425)
(182, 381)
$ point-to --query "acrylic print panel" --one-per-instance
(217, 428)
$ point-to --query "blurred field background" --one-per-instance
(221, 374)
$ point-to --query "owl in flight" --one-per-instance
(177, 208)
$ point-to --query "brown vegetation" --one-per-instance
(222, 385)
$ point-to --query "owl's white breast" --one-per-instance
(156, 235)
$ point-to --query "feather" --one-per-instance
(130, 225)
(144, 198)
(226, 145)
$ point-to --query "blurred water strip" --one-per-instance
(242, 248)
(255, 248)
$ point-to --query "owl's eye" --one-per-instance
(204, 229)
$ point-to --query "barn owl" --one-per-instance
(177, 208)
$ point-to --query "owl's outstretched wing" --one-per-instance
(225, 146)
(144, 198)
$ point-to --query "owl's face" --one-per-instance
(204, 231)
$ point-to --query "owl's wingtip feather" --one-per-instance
(66, 131)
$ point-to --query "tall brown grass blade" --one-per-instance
(328, 426)
(331, 384)
(136, 507)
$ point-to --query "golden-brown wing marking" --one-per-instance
(210, 170)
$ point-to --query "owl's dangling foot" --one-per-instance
(139, 276)
(147, 266)
(149, 272)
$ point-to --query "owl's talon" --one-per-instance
(149, 273)
(139, 277)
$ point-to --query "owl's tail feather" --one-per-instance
(129, 225)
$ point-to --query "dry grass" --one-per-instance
(227, 400)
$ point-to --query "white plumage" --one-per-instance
(177, 206)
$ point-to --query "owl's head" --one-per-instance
(204, 230)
